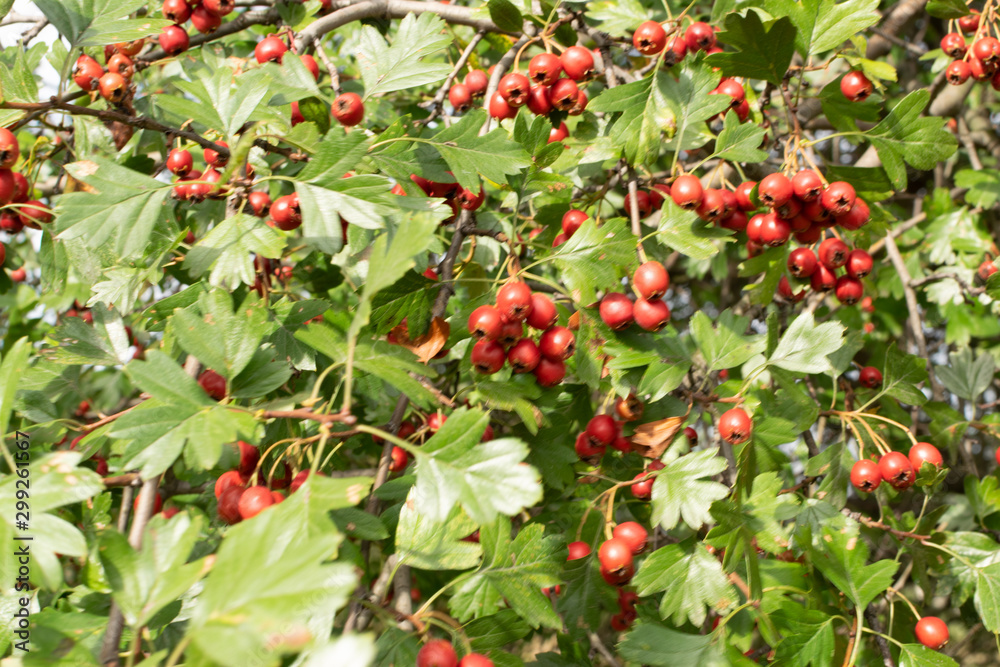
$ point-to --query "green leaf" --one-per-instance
(691, 580)
(505, 15)
(409, 298)
(223, 340)
(148, 580)
(592, 258)
(967, 377)
(227, 101)
(691, 99)
(988, 596)
(645, 115)
(805, 345)
(429, 545)
(983, 186)
(111, 29)
(772, 263)
(12, 370)
(688, 234)
(496, 631)
(162, 378)
(5, 6)
(918, 655)
(905, 135)
(822, 24)
(682, 492)
(617, 17)
(901, 374)
(808, 636)
(655, 645)
(17, 83)
(486, 479)
(514, 396)
(740, 142)
(73, 18)
(403, 65)
(285, 551)
(123, 212)
(469, 155)
(764, 51)
(947, 9)
(228, 250)
(841, 553)
(726, 345)
(515, 572)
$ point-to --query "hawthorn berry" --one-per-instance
(802, 262)
(833, 253)
(249, 458)
(286, 213)
(578, 550)
(177, 11)
(651, 315)
(229, 505)
(775, 190)
(687, 192)
(437, 653)
(213, 384)
(253, 501)
(271, 49)
(970, 22)
(855, 86)
(524, 356)
(205, 21)
(838, 198)
(633, 535)
(735, 426)
(857, 217)
(699, 36)
(477, 82)
(932, 632)
(986, 49)
(619, 578)
(629, 408)
(896, 470)
(549, 372)
(260, 203)
(649, 38)
(399, 458)
(712, 205)
(691, 435)
(514, 89)
(733, 88)
(644, 490)
(615, 555)
(587, 449)
(865, 475)
(220, 7)
(87, 72)
(849, 290)
(557, 344)
(807, 185)
(859, 263)
(823, 280)
(558, 133)
(602, 429)
(348, 109)
(113, 87)
(953, 45)
(958, 72)
(460, 97)
(180, 162)
(643, 204)
(514, 301)
(986, 269)
(488, 356)
(577, 62)
(500, 109)
(774, 231)
(478, 659)
(616, 310)
(543, 313)
(742, 193)
(545, 69)
(924, 452)
(870, 377)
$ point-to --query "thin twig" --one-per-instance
(436, 104)
(883, 646)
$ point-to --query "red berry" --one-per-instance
(651, 280)
(629, 408)
(579, 105)
(174, 40)
(859, 263)
(229, 505)
(213, 384)
(270, 50)
(953, 44)
(478, 659)
(348, 109)
(986, 269)
(633, 535)
(644, 490)
(931, 631)
(986, 49)
(514, 89)
(870, 377)
(807, 185)
(214, 158)
(577, 62)
(833, 253)
(643, 204)
(651, 315)
(618, 578)
(485, 322)
(678, 49)
(742, 193)
(824, 280)
(310, 64)
(775, 190)
(460, 97)
(802, 262)
(699, 36)
(849, 290)
(578, 550)
(924, 451)
(691, 435)
(539, 102)
(896, 470)
(549, 372)
(112, 87)
(399, 459)
(616, 310)
(514, 301)
(180, 162)
(543, 312)
(857, 217)
(866, 476)
(838, 198)
(545, 69)
(488, 356)
(563, 94)
(477, 82)
(958, 73)
(220, 7)
(587, 449)
(855, 86)
(572, 220)
(735, 426)
(650, 38)
(615, 555)
(558, 133)
(500, 109)
(712, 206)
(249, 458)
(87, 72)
(260, 202)
(254, 500)
(687, 192)
(437, 653)
(774, 231)
(177, 11)
(205, 21)
(286, 213)
(602, 429)
(733, 88)
(524, 356)
(557, 344)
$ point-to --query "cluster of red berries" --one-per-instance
(440, 653)
(500, 337)
(113, 81)
(820, 269)
(195, 185)
(981, 62)
(616, 556)
(602, 432)
(650, 282)
(552, 85)
(205, 16)
(19, 211)
(453, 194)
(238, 501)
(899, 470)
(650, 38)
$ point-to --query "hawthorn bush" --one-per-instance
(397, 332)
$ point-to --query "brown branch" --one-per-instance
(306, 413)
(853, 637)
(872, 523)
(883, 646)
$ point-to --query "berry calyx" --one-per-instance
(833, 253)
(735, 426)
(514, 89)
